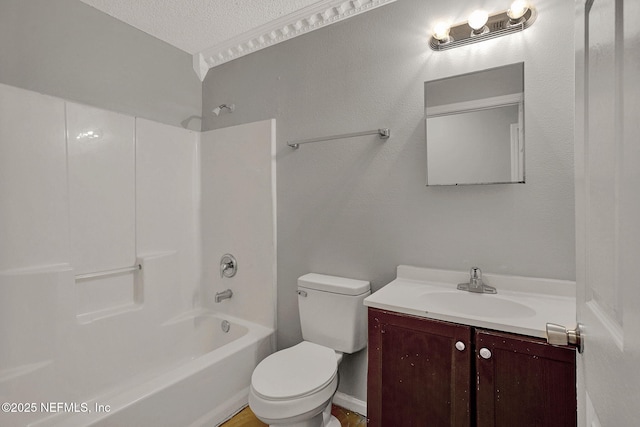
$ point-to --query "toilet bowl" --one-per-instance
(294, 387)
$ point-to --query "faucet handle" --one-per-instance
(228, 266)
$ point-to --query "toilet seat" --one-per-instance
(295, 372)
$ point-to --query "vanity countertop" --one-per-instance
(523, 305)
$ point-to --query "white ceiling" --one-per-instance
(216, 31)
(194, 25)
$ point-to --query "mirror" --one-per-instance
(475, 127)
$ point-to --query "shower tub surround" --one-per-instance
(87, 191)
(202, 382)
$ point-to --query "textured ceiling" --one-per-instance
(194, 25)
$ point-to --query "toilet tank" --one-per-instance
(332, 311)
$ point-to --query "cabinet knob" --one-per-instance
(460, 346)
(485, 353)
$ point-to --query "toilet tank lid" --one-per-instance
(337, 285)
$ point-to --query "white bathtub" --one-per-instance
(207, 381)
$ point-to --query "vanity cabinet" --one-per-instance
(523, 381)
(417, 377)
(430, 373)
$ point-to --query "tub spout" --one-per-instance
(223, 295)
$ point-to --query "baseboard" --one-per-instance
(350, 403)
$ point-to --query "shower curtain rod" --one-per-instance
(382, 133)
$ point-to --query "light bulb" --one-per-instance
(517, 9)
(441, 31)
(477, 19)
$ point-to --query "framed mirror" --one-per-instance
(475, 127)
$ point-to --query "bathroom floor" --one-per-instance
(245, 418)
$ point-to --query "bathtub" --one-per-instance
(206, 382)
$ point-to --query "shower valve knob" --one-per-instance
(228, 266)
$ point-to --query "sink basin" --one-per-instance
(523, 305)
(470, 304)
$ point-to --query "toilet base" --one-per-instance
(328, 419)
(323, 419)
(316, 421)
(333, 422)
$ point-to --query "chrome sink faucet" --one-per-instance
(475, 283)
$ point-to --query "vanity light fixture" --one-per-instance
(482, 26)
(477, 21)
(517, 10)
(441, 32)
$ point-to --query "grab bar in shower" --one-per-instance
(136, 267)
(382, 133)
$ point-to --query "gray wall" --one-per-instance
(360, 207)
(68, 49)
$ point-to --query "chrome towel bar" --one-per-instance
(136, 267)
(383, 133)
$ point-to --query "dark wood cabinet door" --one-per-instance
(525, 382)
(417, 377)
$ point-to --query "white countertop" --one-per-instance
(523, 305)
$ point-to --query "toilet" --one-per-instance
(294, 387)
